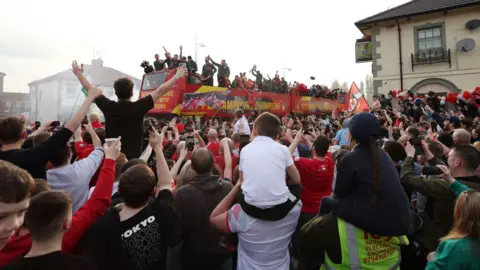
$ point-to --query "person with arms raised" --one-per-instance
(13, 134)
(125, 118)
(75, 178)
(137, 235)
(48, 218)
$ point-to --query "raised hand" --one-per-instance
(113, 151)
(156, 140)
(446, 174)
(77, 69)
(410, 149)
(181, 72)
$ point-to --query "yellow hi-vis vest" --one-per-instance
(366, 251)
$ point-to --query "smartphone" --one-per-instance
(183, 65)
(190, 143)
(37, 124)
(55, 124)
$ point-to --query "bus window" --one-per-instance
(152, 81)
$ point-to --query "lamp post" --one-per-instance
(286, 69)
(198, 45)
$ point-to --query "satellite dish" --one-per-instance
(472, 24)
(465, 45)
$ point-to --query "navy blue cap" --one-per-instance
(363, 126)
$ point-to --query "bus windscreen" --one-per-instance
(152, 81)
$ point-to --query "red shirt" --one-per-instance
(220, 161)
(83, 149)
(316, 177)
(180, 127)
(214, 148)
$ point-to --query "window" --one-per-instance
(430, 39)
(18, 104)
(430, 42)
(71, 91)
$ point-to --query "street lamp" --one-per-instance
(198, 45)
(286, 69)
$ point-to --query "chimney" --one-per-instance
(2, 75)
(97, 62)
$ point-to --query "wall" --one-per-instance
(465, 69)
(44, 97)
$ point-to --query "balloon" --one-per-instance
(466, 95)
(442, 98)
(442, 102)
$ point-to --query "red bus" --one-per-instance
(195, 99)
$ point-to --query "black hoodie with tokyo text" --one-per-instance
(195, 202)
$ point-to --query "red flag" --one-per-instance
(355, 101)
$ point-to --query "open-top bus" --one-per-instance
(200, 100)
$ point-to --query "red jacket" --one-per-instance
(95, 207)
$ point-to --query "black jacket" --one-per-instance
(195, 202)
(354, 190)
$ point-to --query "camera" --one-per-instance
(37, 124)
(147, 68)
(430, 170)
(55, 124)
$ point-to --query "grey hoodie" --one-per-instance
(75, 178)
(195, 202)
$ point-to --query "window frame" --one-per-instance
(416, 29)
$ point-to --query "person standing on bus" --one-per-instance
(223, 72)
(159, 64)
(208, 71)
(125, 118)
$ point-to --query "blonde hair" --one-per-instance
(466, 217)
(186, 175)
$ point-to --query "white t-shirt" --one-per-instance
(262, 244)
(246, 127)
(264, 163)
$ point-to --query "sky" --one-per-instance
(310, 37)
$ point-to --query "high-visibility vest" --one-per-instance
(366, 251)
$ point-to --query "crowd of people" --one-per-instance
(394, 187)
(259, 82)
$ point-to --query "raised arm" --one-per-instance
(213, 62)
(78, 71)
(95, 139)
(228, 171)
(164, 87)
(77, 119)
(294, 144)
(176, 167)
(163, 174)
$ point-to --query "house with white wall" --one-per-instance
(56, 97)
(424, 45)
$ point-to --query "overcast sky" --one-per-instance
(312, 37)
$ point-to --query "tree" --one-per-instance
(344, 86)
(335, 84)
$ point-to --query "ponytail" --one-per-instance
(373, 150)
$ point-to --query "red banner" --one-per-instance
(224, 103)
(310, 105)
